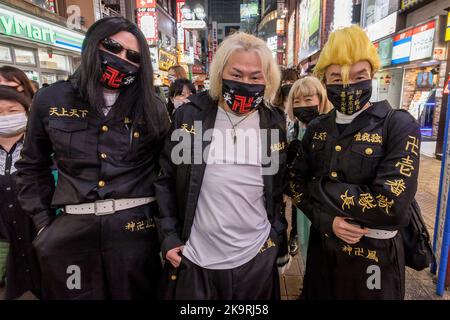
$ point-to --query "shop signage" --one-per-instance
(214, 38)
(147, 19)
(166, 60)
(272, 44)
(401, 47)
(342, 16)
(280, 27)
(310, 13)
(422, 41)
(406, 4)
(19, 25)
(193, 24)
(414, 44)
(154, 58)
(384, 49)
(383, 27)
(196, 68)
(180, 30)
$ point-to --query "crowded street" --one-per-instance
(224, 156)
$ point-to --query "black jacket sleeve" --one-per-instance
(297, 188)
(167, 217)
(35, 181)
(385, 202)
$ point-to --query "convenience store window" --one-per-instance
(5, 54)
(24, 56)
(53, 61)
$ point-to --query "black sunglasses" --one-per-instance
(116, 48)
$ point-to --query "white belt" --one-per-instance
(381, 234)
(109, 206)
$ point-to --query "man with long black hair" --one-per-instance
(105, 127)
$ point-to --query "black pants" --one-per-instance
(255, 280)
(337, 270)
(113, 256)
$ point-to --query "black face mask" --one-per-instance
(117, 73)
(241, 97)
(350, 99)
(306, 114)
(285, 89)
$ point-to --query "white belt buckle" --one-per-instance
(100, 208)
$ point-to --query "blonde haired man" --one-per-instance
(219, 219)
(355, 179)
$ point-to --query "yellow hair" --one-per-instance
(345, 47)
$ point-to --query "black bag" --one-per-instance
(416, 239)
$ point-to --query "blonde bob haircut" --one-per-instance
(246, 42)
(307, 87)
(345, 47)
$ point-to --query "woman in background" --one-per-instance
(179, 91)
(15, 225)
(17, 79)
(307, 100)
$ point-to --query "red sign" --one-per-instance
(147, 22)
(403, 35)
(197, 68)
(145, 3)
(424, 27)
(447, 87)
(180, 3)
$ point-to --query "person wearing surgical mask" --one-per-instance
(355, 178)
(16, 227)
(104, 128)
(306, 101)
(219, 217)
(179, 92)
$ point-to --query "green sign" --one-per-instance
(19, 25)
(11, 26)
(385, 51)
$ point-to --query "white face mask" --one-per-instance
(178, 103)
(13, 124)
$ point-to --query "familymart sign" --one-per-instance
(19, 25)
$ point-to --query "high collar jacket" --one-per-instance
(178, 187)
(367, 173)
(98, 157)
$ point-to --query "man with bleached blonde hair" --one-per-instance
(355, 178)
(219, 219)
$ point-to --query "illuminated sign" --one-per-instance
(193, 24)
(414, 44)
(19, 25)
(147, 19)
(422, 41)
(166, 60)
(401, 47)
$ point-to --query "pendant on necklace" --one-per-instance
(234, 138)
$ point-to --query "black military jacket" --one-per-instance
(363, 173)
(178, 187)
(97, 156)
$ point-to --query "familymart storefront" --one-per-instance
(45, 51)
